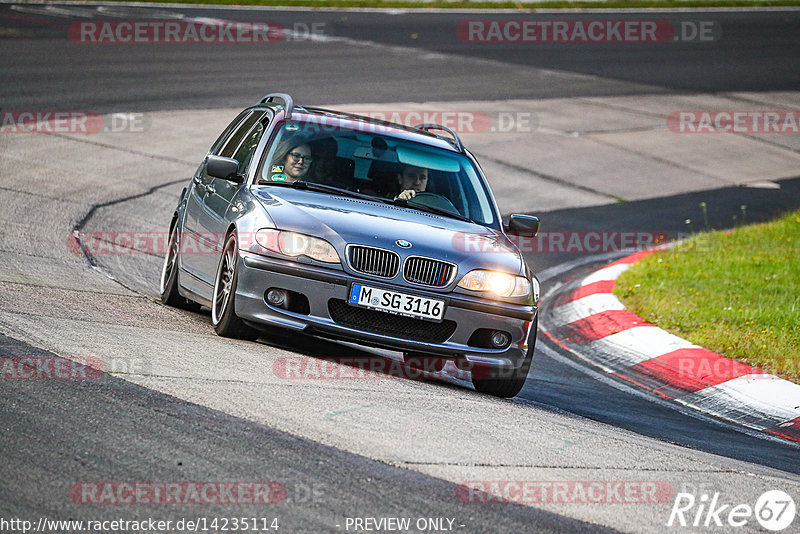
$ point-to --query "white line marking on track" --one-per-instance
(759, 390)
(55, 11)
(561, 268)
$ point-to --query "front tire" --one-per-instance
(169, 276)
(508, 383)
(223, 310)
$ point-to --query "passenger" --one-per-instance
(412, 180)
(291, 163)
(324, 169)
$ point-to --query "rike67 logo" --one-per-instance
(774, 510)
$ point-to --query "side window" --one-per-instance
(247, 147)
(215, 148)
(232, 143)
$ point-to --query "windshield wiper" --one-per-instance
(430, 209)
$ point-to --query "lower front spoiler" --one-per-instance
(252, 308)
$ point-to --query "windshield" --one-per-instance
(383, 167)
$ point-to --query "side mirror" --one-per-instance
(523, 224)
(225, 168)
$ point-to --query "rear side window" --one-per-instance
(234, 140)
(247, 147)
(215, 148)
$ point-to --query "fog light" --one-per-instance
(276, 297)
(500, 339)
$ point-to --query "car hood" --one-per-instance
(345, 220)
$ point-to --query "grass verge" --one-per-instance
(477, 4)
(735, 292)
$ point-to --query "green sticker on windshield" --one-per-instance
(292, 127)
(280, 177)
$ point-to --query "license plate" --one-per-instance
(396, 303)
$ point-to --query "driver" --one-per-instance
(292, 161)
(412, 180)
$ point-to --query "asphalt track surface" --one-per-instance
(129, 438)
(398, 59)
(58, 432)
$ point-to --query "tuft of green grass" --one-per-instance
(735, 292)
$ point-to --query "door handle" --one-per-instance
(210, 189)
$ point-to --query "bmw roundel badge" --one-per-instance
(402, 243)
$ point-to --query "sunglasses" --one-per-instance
(297, 156)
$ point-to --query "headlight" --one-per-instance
(501, 284)
(294, 244)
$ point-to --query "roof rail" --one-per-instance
(356, 116)
(455, 141)
(287, 99)
(342, 113)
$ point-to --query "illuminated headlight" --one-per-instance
(294, 244)
(501, 284)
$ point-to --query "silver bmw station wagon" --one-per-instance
(351, 228)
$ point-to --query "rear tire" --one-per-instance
(169, 275)
(223, 310)
(507, 383)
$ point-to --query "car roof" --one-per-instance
(423, 133)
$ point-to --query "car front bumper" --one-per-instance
(323, 286)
